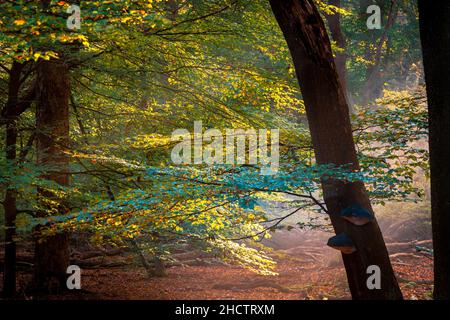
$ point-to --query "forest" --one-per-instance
(224, 149)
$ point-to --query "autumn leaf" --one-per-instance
(19, 22)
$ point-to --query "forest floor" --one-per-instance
(306, 267)
(304, 272)
(296, 281)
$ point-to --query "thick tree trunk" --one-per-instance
(435, 34)
(52, 125)
(331, 133)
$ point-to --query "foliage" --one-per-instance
(141, 69)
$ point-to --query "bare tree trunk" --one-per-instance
(52, 125)
(434, 17)
(331, 133)
(372, 88)
(12, 110)
(9, 204)
(334, 23)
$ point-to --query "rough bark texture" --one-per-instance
(52, 125)
(328, 117)
(435, 35)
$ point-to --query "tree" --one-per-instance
(376, 58)
(14, 107)
(329, 122)
(334, 23)
(434, 17)
(52, 126)
(373, 86)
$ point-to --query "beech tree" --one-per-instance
(330, 127)
(52, 126)
(14, 107)
(434, 17)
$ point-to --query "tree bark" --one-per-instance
(329, 122)
(334, 23)
(10, 114)
(52, 125)
(9, 204)
(434, 18)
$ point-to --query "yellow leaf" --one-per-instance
(19, 22)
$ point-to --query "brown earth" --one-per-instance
(297, 279)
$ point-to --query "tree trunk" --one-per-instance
(329, 122)
(52, 125)
(334, 23)
(374, 84)
(434, 17)
(9, 203)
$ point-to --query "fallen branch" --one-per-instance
(404, 255)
